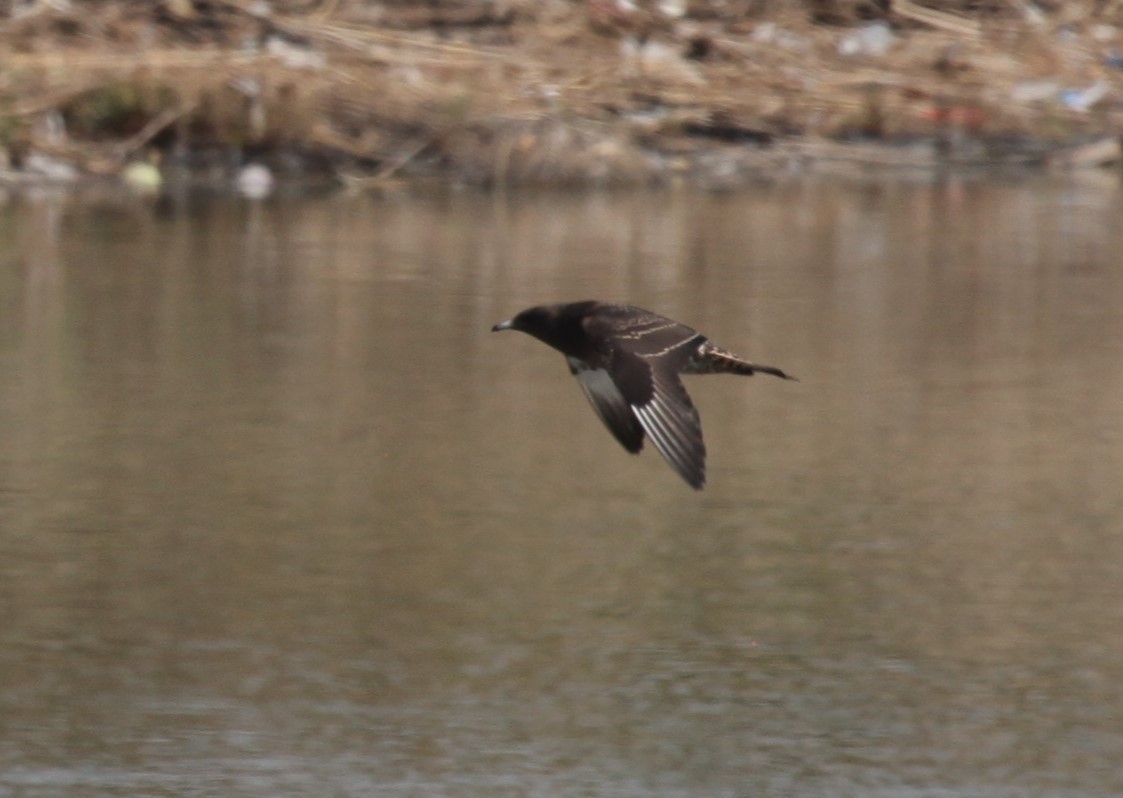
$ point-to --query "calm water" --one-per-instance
(280, 517)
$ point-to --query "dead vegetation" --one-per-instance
(550, 91)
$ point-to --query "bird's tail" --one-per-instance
(713, 360)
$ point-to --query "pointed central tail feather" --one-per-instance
(713, 360)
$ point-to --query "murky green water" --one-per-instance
(279, 516)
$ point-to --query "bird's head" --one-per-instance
(557, 325)
(533, 321)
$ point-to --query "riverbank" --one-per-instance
(520, 92)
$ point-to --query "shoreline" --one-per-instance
(594, 93)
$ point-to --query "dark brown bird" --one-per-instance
(628, 361)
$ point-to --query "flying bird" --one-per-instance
(628, 361)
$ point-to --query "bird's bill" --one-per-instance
(503, 325)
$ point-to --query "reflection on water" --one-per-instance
(279, 516)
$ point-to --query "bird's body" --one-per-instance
(628, 361)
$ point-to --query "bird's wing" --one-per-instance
(609, 403)
(647, 353)
(652, 388)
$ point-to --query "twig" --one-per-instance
(943, 20)
(152, 129)
(387, 170)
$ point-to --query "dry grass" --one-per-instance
(533, 92)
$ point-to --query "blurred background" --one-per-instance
(279, 516)
(517, 92)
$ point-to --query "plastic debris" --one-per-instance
(143, 177)
(672, 9)
(874, 40)
(53, 169)
(653, 58)
(771, 33)
(1034, 91)
(1104, 33)
(1085, 99)
(255, 181)
(294, 56)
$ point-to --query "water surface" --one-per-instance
(279, 516)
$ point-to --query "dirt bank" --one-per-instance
(553, 91)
